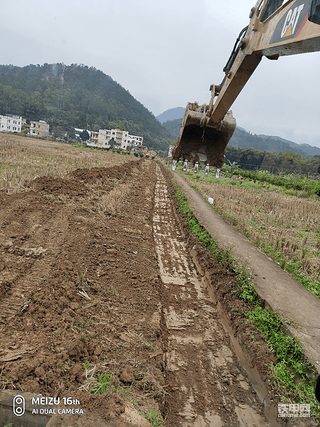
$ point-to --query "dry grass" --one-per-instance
(111, 203)
(285, 227)
(23, 159)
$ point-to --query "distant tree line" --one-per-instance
(276, 163)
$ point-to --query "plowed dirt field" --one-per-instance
(107, 298)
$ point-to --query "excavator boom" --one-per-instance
(276, 28)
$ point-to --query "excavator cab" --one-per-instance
(315, 12)
(271, 7)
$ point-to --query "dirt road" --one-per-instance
(209, 388)
(105, 298)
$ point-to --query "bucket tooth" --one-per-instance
(217, 173)
(196, 167)
(174, 164)
(185, 166)
(206, 170)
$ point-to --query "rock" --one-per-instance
(76, 349)
(126, 375)
(132, 416)
(77, 372)
(97, 351)
(74, 305)
(40, 372)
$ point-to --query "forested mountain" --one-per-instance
(274, 144)
(76, 96)
(244, 139)
(173, 126)
(309, 150)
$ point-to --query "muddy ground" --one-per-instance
(106, 297)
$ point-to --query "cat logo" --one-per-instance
(292, 21)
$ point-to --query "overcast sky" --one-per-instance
(166, 53)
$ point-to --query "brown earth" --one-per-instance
(98, 279)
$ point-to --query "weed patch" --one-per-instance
(153, 418)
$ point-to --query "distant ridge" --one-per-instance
(171, 114)
(273, 144)
(311, 150)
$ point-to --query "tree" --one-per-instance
(84, 135)
(112, 143)
(115, 125)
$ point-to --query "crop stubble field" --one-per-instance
(284, 226)
(100, 298)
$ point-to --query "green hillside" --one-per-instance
(76, 96)
(173, 126)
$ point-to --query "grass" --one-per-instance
(111, 203)
(152, 417)
(284, 226)
(103, 383)
(289, 181)
(294, 378)
(67, 366)
(82, 276)
(99, 380)
(112, 291)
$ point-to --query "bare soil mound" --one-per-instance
(77, 284)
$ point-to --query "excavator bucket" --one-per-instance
(199, 142)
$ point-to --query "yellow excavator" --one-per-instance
(276, 28)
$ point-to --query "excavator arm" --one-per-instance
(276, 28)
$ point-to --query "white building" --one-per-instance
(121, 139)
(10, 123)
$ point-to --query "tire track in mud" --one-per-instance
(207, 388)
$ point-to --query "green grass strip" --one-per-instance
(290, 182)
(292, 375)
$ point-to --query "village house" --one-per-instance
(40, 128)
(10, 123)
